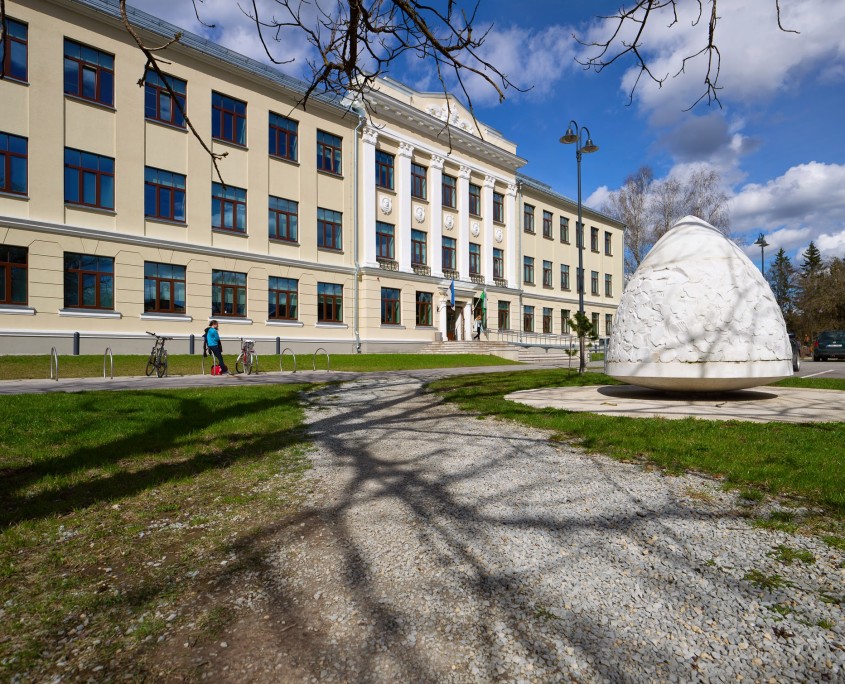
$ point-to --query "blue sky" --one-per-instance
(777, 140)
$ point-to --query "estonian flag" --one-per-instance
(452, 294)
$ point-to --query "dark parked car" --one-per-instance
(830, 344)
(796, 353)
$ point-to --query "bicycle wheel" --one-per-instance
(161, 370)
(151, 364)
(239, 364)
(247, 357)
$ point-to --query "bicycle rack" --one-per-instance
(54, 359)
(108, 355)
(282, 358)
(328, 360)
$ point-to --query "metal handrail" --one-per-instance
(282, 358)
(108, 355)
(328, 359)
(54, 358)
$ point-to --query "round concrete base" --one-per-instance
(773, 404)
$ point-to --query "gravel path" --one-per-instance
(443, 548)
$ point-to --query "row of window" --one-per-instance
(504, 313)
(89, 284)
(528, 277)
(89, 74)
(449, 186)
(528, 227)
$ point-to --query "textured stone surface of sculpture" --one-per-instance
(697, 316)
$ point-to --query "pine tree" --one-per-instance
(812, 264)
(782, 280)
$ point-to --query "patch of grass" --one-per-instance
(751, 495)
(780, 609)
(117, 509)
(766, 581)
(804, 460)
(782, 521)
(787, 555)
(825, 623)
(698, 494)
(543, 613)
(834, 541)
(38, 367)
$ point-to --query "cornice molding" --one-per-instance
(156, 243)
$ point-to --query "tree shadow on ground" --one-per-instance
(445, 499)
(130, 462)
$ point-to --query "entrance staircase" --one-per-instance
(536, 355)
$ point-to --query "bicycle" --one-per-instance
(158, 356)
(247, 360)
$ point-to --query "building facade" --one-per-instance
(375, 228)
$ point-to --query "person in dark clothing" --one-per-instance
(215, 346)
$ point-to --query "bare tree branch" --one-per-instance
(636, 18)
(153, 63)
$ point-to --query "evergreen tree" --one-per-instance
(782, 280)
(812, 264)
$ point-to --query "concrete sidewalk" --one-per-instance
(760, 405)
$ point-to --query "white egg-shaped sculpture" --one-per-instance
(697, 316)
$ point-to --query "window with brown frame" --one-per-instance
(547, 274)
(390, 309)
(14, 265)
(283, 219)
(528, 318)
(528, 218)
(450, 191)
(89, 281)
(418, 181)
(475, 199)
(547, 320)
(164, 288)
(474, 258)
(228, 119)
(14, 49)
(228, 293)
(424, 306)
(504, 316)
(498, 207)
(329, 303)
(450, 257)
(594, 239)
(547, 225)
(498, 263)
(282, 296)
(528, 270)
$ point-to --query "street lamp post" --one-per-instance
(573, 135)
(761, 241)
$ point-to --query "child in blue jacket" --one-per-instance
(212, 341)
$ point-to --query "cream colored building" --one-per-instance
(330, 228)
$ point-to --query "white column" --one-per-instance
(463, 222)
(368, 195)
(487, 210)
(511, 257)
(403, 218)
(444, 304)
(435, 202)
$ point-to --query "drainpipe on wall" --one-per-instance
(358, 108)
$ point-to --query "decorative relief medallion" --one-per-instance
(445, 113)
(419, 214)
(386, 205)
(449, 222)
(475, 229)
(499, 235)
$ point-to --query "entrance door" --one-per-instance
(454, 322)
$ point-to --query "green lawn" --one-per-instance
(35, 367)
(806, 460)
(117, 506)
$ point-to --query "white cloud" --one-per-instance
(757, 59)
(233, 29)
(805, 203)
